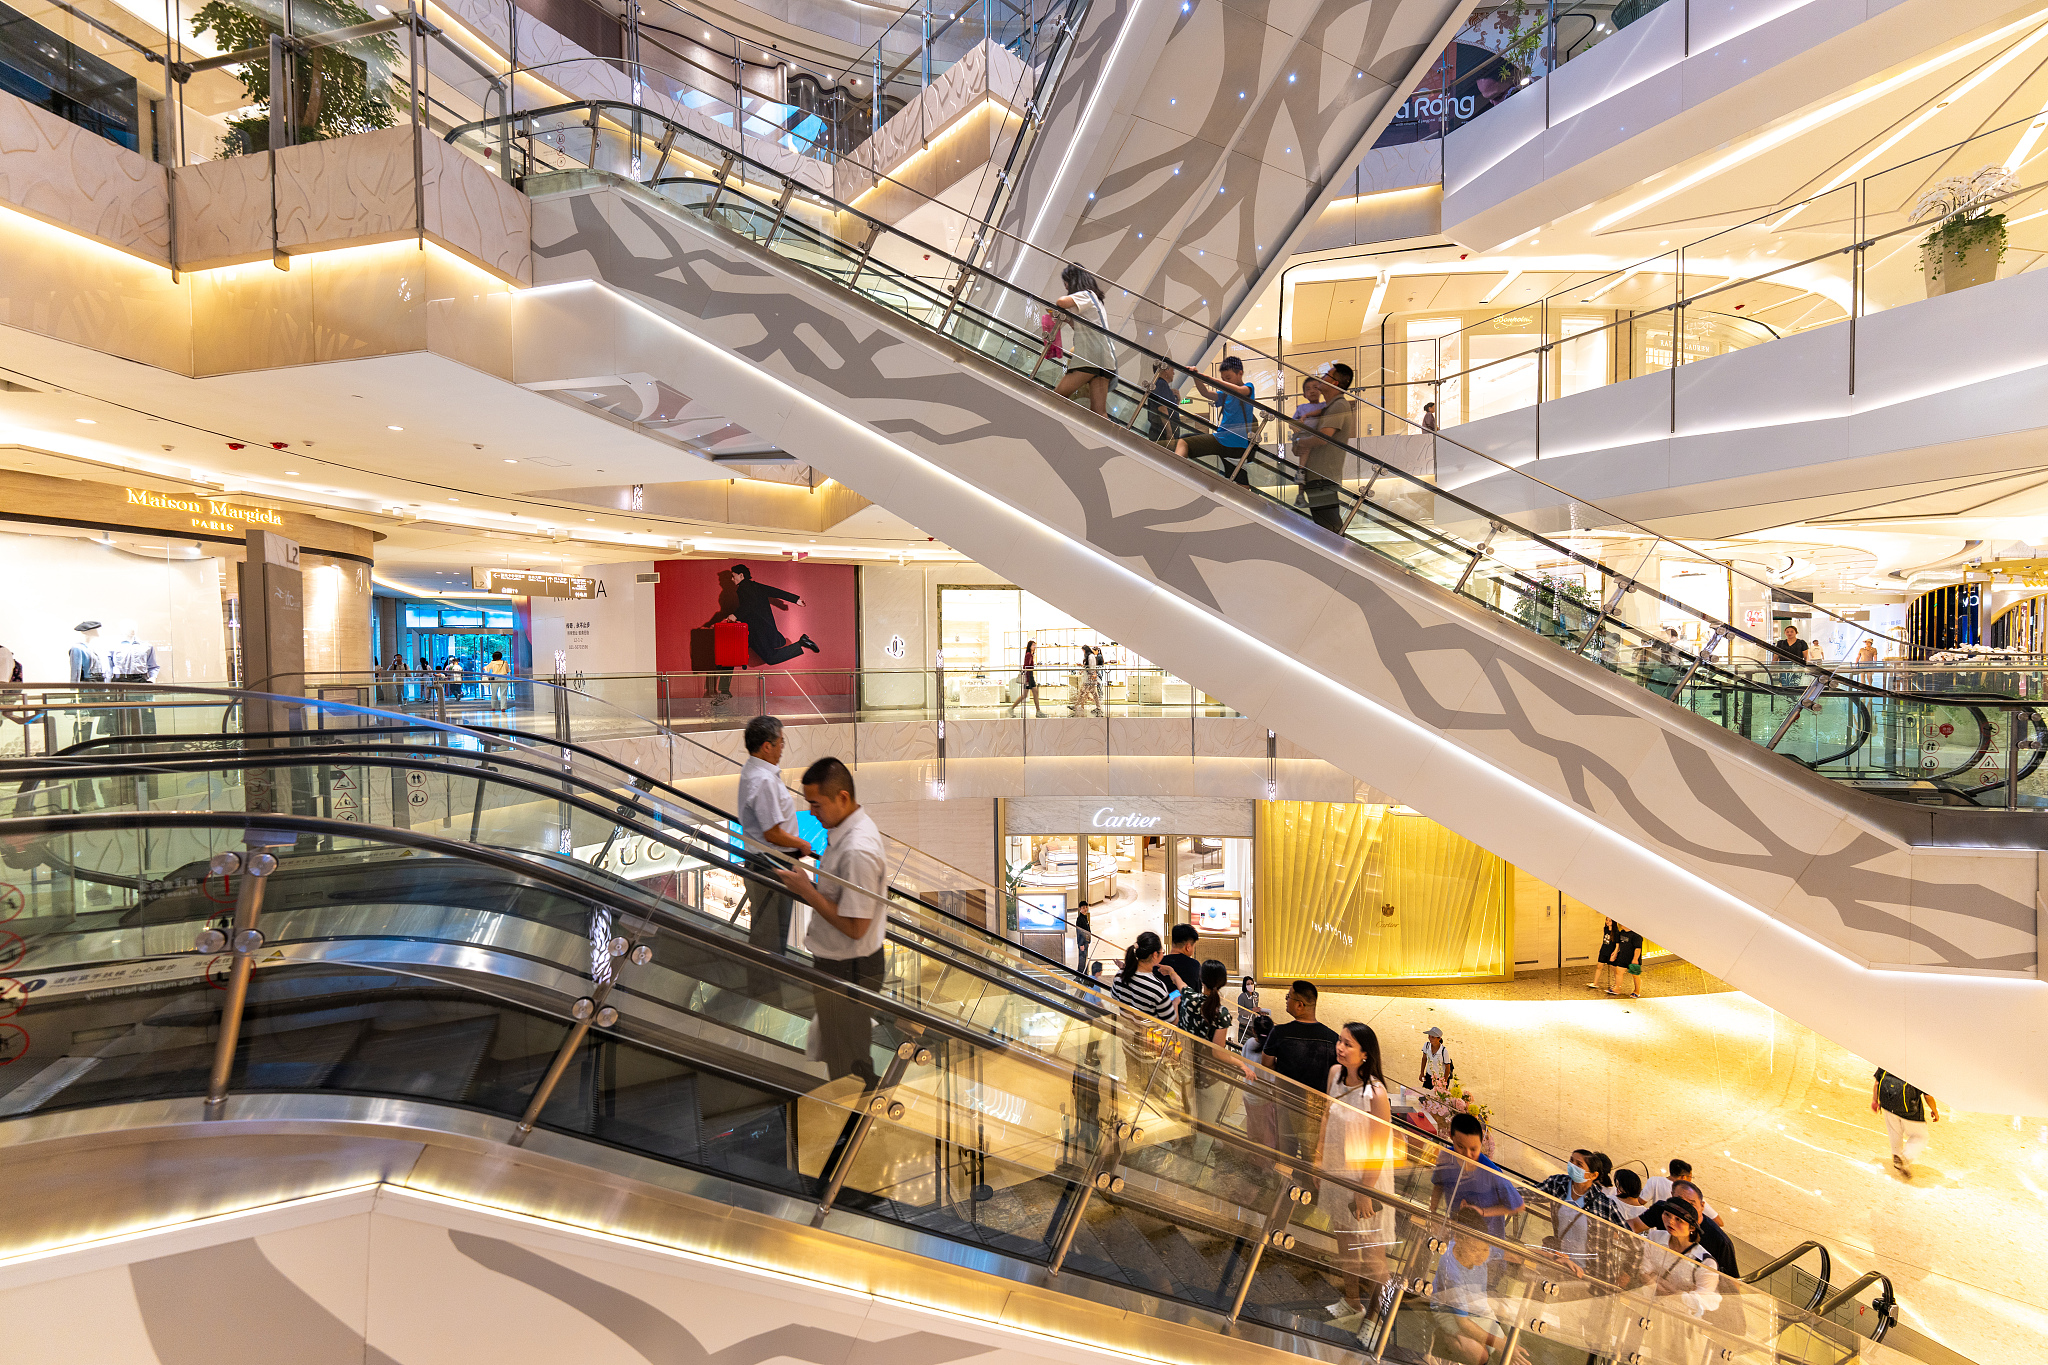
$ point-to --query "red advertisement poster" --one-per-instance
(796, 624)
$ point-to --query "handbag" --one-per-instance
(1049, 328)
(1636, 968)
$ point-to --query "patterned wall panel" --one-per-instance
(1187, 143)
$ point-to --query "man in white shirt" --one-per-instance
(1657, 1189)
(768, 814)
(850, 914)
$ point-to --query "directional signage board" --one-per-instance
(522, 583)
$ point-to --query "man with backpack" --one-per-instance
(1907, 1112)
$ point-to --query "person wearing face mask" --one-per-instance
(1582, 1196)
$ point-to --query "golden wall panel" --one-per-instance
(61, 285)
(1354, 893)
(223, 212)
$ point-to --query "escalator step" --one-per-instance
(295, 1058)
(438, 1059)
(659, 1116)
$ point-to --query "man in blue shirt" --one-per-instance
(1235, 421)
(1469, 1180)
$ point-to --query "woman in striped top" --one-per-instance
(1138, 984)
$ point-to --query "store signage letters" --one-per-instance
(1110, 818)
(517, 583)
(208, 514)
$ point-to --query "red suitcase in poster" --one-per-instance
(729, 644)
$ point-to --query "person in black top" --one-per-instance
(1715, 1241)
(1792, 649)
(1304, 1051)
(1628, 952)
(1182, 958)
(1603, 969)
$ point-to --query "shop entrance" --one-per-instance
(1129, 883)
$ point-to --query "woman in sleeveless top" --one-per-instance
(1091, 360)
(1357, 1141)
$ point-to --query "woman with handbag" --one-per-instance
(1091, 360)
(1027, 682)
(1628, 963)
(1358, 1138)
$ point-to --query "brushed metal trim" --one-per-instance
(552, 1156)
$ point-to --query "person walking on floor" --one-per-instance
(1027, 681)
(1437, 1067)
(1627, 964)
(1225, 450)
(1089, 694)
(1247, 1007)
(1091, 360)
(849, 918)
(498, 671)
(1907, 1111)
(1084, 935)
(767, 811)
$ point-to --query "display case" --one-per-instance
(1216, 914)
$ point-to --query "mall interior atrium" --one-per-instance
(1399, 713)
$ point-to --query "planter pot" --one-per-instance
(1946, 274)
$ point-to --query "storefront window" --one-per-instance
(1355, 893)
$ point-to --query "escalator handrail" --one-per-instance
(1103, 999)
(1886, 1304)
(96, 821)
(1772, 1267)
(771, 174)
(951, 954)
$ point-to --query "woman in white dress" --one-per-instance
(1089, 695)
(1358, 1141)
(1091, 359)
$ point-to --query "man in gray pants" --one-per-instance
(768, 815)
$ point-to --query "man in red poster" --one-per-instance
(754, 606)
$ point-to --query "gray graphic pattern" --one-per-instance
(1070, 472)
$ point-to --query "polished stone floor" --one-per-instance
(1776, 1121)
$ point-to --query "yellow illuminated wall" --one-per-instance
(1363, 893)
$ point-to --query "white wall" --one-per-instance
(56, 581)
(611, 633)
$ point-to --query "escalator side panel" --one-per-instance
(1757, 869)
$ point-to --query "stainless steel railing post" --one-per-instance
(1274, 1234)
(589, 1010)
(879, 1102)
(245, 939)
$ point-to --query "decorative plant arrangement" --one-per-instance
(1555, 606)
(1520, 24)
(336, 92)
(1969, 239)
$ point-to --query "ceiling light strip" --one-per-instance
(1806, 123)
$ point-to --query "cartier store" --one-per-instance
(1133, 864)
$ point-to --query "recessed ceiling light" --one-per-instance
(85, 421)
(511, 462)
(590, 518)
(394, 428)
(455, 499)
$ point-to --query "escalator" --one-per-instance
(1855, 856)
(455, 991)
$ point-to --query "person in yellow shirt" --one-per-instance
(498, 670)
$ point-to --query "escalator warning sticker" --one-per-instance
(416, 797)
(13, 1043)
(11, 901)
(414, 778)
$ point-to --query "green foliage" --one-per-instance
(337, 94)
(1556, 607)
(1955, 239)
(1521, 25)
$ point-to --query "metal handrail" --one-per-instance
(1279, 1087)
(1885, 1305)
(1820, 1289)
(964, 268)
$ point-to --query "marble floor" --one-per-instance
(1776, 1121)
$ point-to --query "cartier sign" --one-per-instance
(1109, 817)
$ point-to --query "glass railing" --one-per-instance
(181, 750)
(1122, 1153)
(1591, 591)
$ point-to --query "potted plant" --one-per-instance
(1968, 240)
